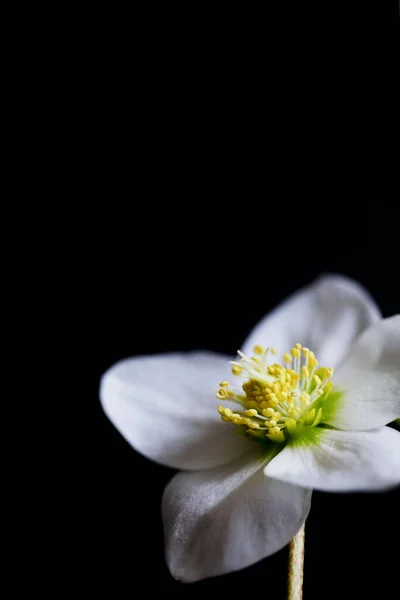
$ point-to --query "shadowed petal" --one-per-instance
(227, 518)
(165, 407)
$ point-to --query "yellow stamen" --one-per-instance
(251, 412)
(258, 349)
(276, 398)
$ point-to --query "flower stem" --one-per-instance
(296, 565)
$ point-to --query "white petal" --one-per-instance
(227, 518)
(378, 347)
(370, 380)
(325, 316)
(368, 400)
(341, 460)
(165, 406)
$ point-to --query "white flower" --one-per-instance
(239, 501)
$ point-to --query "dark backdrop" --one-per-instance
(227, 176)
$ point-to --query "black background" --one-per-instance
(226, 174)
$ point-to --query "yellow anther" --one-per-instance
(266, 386)
(273, 351)
(274, 430)
(251, 412)
(304, 397)
(225, 419)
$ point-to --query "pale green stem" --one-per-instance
(296, 565)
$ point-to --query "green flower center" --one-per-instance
(277, 399)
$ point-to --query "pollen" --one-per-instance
(274, 399)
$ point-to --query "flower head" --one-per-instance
(277, 400)
(243, 497)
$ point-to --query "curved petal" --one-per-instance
(370, 380)
(340, 460)
(325, 316)
(378, 348)
(367, 400)
(165, 407)
(224, 519)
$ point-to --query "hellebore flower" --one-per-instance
(243, 497)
